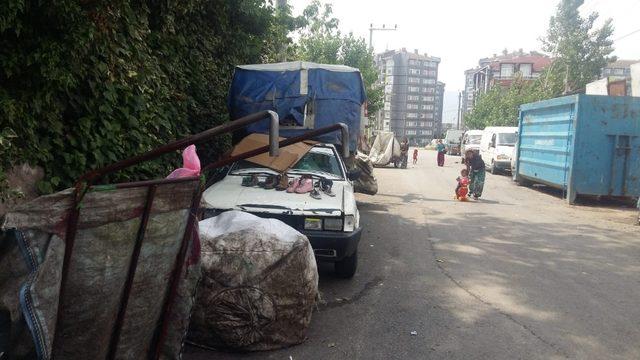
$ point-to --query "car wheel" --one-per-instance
(346, 267)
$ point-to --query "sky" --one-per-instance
(460, 32)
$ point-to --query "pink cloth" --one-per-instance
(190, 164)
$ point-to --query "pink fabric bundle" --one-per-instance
(190, 164)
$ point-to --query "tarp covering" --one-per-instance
(305, 96)
(385, 147)
(31, 258)
(259, 284)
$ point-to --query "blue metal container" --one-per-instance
(583, 144)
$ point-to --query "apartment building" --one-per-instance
(501, 70)
(410, 82)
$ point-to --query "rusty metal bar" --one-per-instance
(161, 330)
(131, 273)
(286, 142)
(194, 139)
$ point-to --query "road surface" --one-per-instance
(517, 275)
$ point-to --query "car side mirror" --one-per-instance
(354, 174)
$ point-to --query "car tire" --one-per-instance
(346, 267)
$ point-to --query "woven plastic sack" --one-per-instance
(259, 284)
(31, 257)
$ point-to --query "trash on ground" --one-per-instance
(414, 333)
(259, 284)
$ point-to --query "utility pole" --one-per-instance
(281, 6)
(459, 108)
(383, 28)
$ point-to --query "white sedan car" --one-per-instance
(332, 223)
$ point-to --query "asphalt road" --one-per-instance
(517, 275)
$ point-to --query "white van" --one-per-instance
(497, 147)
(470, 141)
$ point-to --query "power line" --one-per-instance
(625, 36)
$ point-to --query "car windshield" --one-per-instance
(508, 139)
(474, 139)
(319, 160)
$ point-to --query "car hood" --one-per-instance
(229, 194)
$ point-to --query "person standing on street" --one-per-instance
(415, 156)
(476, 169)
(441, 149)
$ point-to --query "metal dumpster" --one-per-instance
(583, 144)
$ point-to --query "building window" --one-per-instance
(428, 98)
(427, 107)
(428, 81)
(389, 63)
(411, 132)
(526, 69)
(618, 72)
(387, 97)
(414, 71)
(413, 97)
(412, 106)
(414, 80)
(387, 114)
(429, 115)
(506, 70)
(412, 116)
(414, 88)
(387, 106)
(430, 73)
(429, 123)
(410, 123)
(426, 132)
(428, 90)
(412, 62)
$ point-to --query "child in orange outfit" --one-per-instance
(415, 156)
(463, 185)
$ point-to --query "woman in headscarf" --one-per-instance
(441, 149)
(475, 165)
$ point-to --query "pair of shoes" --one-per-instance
(326, 186)
(250, 181)
(301, 185)
(476, 196)
(283, 183)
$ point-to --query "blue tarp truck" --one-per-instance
(583, 144)
(305, 95)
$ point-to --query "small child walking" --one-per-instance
(462, 189)
(415, 156)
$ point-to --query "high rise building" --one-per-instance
(410, 82)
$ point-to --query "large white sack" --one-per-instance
(259, 284)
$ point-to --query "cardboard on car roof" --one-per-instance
(289, 155)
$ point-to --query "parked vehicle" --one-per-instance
(583, 144)
(332, 223)
(497, 147)
(453, 139)
(470, 141)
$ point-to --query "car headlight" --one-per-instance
(504, 157)
(333, 224)
(312, 224)
(349, 223)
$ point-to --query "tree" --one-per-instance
(499, 106)
(580, 51)
(322, 42)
